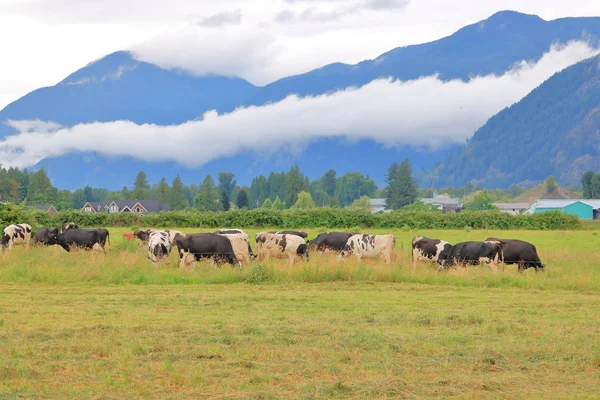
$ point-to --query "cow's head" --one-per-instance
(142, 235)
(5, 239)
(52, 238)
(260, 237)
(497, 249)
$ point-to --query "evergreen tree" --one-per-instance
(163, 191)
(278, 204)
(125, 193)
(402, 188)
(328, 182)
(304, 201)
(391, 199)
(267, 204)
(259, 191)
(242, 199)
(276, 184)
(225, 201)
(78, 199)
(334, 203)
(226, 182)
(177, 199)
(589, 183)
(88, 194)
(352, 186)
(40, 190)
(295, 183)
(208, 196)
(595, 187)
(550, 184)
(363, 204)
(141, 188)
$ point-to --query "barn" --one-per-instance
(584, 209)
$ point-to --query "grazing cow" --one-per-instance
(88, 239)
(192, 248)
(335, 241)
(67, 226)
(142, 235)
(371, 246)
(519, 252)
(303, 235)
(16, 234)
(42, 234)
(160, 244)
(473, 253)
(249, 255)
(426, 249)
(281, 246)
(128, 236)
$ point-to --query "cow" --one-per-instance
(88, 239)
(426, 249)
(69, 225)
(371, 246)
(128, 236)
(42, 234)
(281, 246)
(142, 235)
(303, 235)
(473, 253)
(160, 244)
(15, 234)
(520, 252)
(192, 248)
(230, 233)
(335, 241)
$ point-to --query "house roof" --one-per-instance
(443, 200)
(43, 208)
(149, 205)
(377, 202)
(511, 206)
(595, 204)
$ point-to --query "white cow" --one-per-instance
(16, 234)
(241, 246)
(371, 246)
(280, 246)
(160, 244)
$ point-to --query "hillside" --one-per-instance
(555, 130)
(118, 87)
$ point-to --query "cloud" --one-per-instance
(223, 18)
(423, 112)
(341, 9)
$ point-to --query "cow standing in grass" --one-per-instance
(87, 239)
(160, 244)
(42, 234)
(426, 249)
(371, 246)
(519, 252)
(474, 253)
(334, 241)
(192, 248)
(16, 234)
(237, 236)
(277, 245)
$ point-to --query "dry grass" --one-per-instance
(88, 325)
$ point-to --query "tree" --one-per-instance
(88, 194)
(225, 201)
(550, 184)
(328, 183)
(259, 191)
(363, 203)
(419, 206)
(177, 198)
(278, 204)
(40, 190)
(226, 182)
(402, 188)
(163, 191)
(78, 199)
(268, 204)
(125, 193)
(591, 187)
(595, 187)
(141, 188)
(481, 201)
(304, 201)
(208, 196)
(352, 186)
(295, 183)
(334, 203)
(242, 199)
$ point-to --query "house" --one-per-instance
(584, 209)
(511, 208)
(378, 205)
(443, 202)
(118, 206)
(49, 209)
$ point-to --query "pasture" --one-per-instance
(88, 325)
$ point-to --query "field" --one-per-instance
(87, 325)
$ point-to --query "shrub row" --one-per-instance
(315, 218)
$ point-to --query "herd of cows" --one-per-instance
(232, 246)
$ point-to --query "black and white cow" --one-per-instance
(278, 245)
(142, 235)
(88, 239)
(232, 235)
(426, 249)
(371, 246)
(303, 235)
(160, 244)
(15, 234)
(334, 241)
(473, 253)
(520, 252)
(199, 246)
(67, 226)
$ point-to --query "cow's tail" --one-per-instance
(108, 236)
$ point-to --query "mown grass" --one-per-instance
(87, 325)
(572, 259)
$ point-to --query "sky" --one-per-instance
(260, 40)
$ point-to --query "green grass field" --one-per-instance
(87, 325)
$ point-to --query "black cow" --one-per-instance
(426, 249)
(520, 252)
(42, 234)
(205, 245)
(80, 238)
(330, 241)
(303, 235)
(473, 253)
(143, 236)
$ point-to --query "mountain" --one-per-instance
(119, 87)
(555, 130)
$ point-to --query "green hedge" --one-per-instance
(316, 218)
